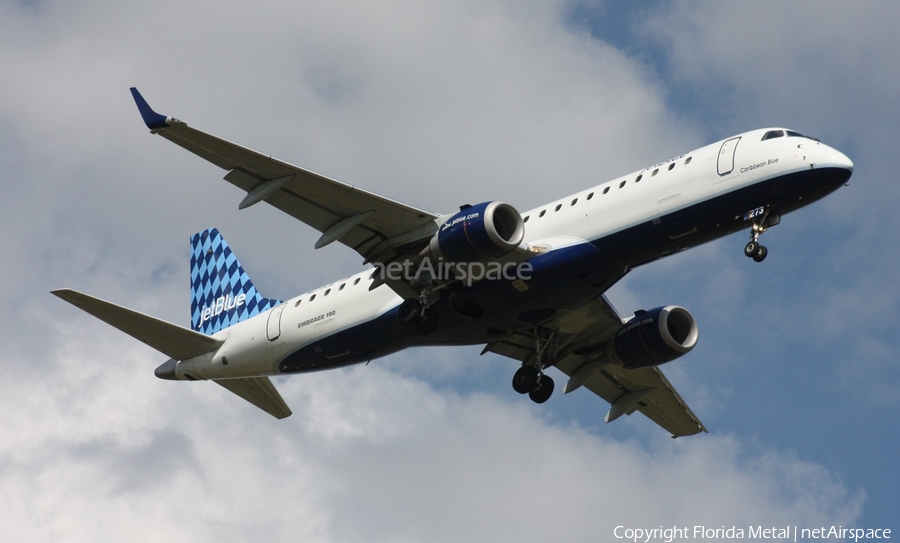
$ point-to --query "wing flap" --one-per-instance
(260, 392)
(666, 407)
(170, 339)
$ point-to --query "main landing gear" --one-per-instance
(530, 378)
(418, 314)
(754, 249)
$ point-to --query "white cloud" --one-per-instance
(796, 60)
(368, 456)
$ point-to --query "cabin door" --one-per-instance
(273, 328)
(726, 156)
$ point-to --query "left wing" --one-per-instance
(378, 228)
(627, 390)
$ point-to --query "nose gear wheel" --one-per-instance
(756, 251)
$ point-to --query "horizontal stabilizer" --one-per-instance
(260, 392)
(170, 339)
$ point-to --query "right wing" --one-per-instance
(627, 390)
(378, 228)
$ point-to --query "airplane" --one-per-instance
(529, 286)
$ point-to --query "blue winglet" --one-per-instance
(152, 119)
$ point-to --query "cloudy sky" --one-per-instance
(438, 104)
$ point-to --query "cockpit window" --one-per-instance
(772, 134)
(792, 134)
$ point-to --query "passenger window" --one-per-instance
(605, 190)
(638, 180)
(656, 171)
(327, 292)
(688, 160)
(342, 286)
(558, 207)
(575, 200)
(589, 196)
(622, 184)
(356, 282)
(672, 165)
(525, 219)
(313, 297)
(543, 211)
(298, 302)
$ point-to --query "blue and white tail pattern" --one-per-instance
(221, 292)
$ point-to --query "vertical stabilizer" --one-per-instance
(221, 292)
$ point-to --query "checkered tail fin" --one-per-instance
(221, 292)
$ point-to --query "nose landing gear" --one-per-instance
(762, 219)
(754, 249)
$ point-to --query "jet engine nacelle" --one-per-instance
(479, 233)
(655, 337)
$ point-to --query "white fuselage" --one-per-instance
(256, 346)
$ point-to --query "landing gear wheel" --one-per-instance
(542, 391)
(761, 253)
(427, 324)
(525, 379)
(751, 249)
(756, 251)
(409, 312)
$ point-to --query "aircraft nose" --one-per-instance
(841, 160)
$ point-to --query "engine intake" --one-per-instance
(655, 337)
(479, 233)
